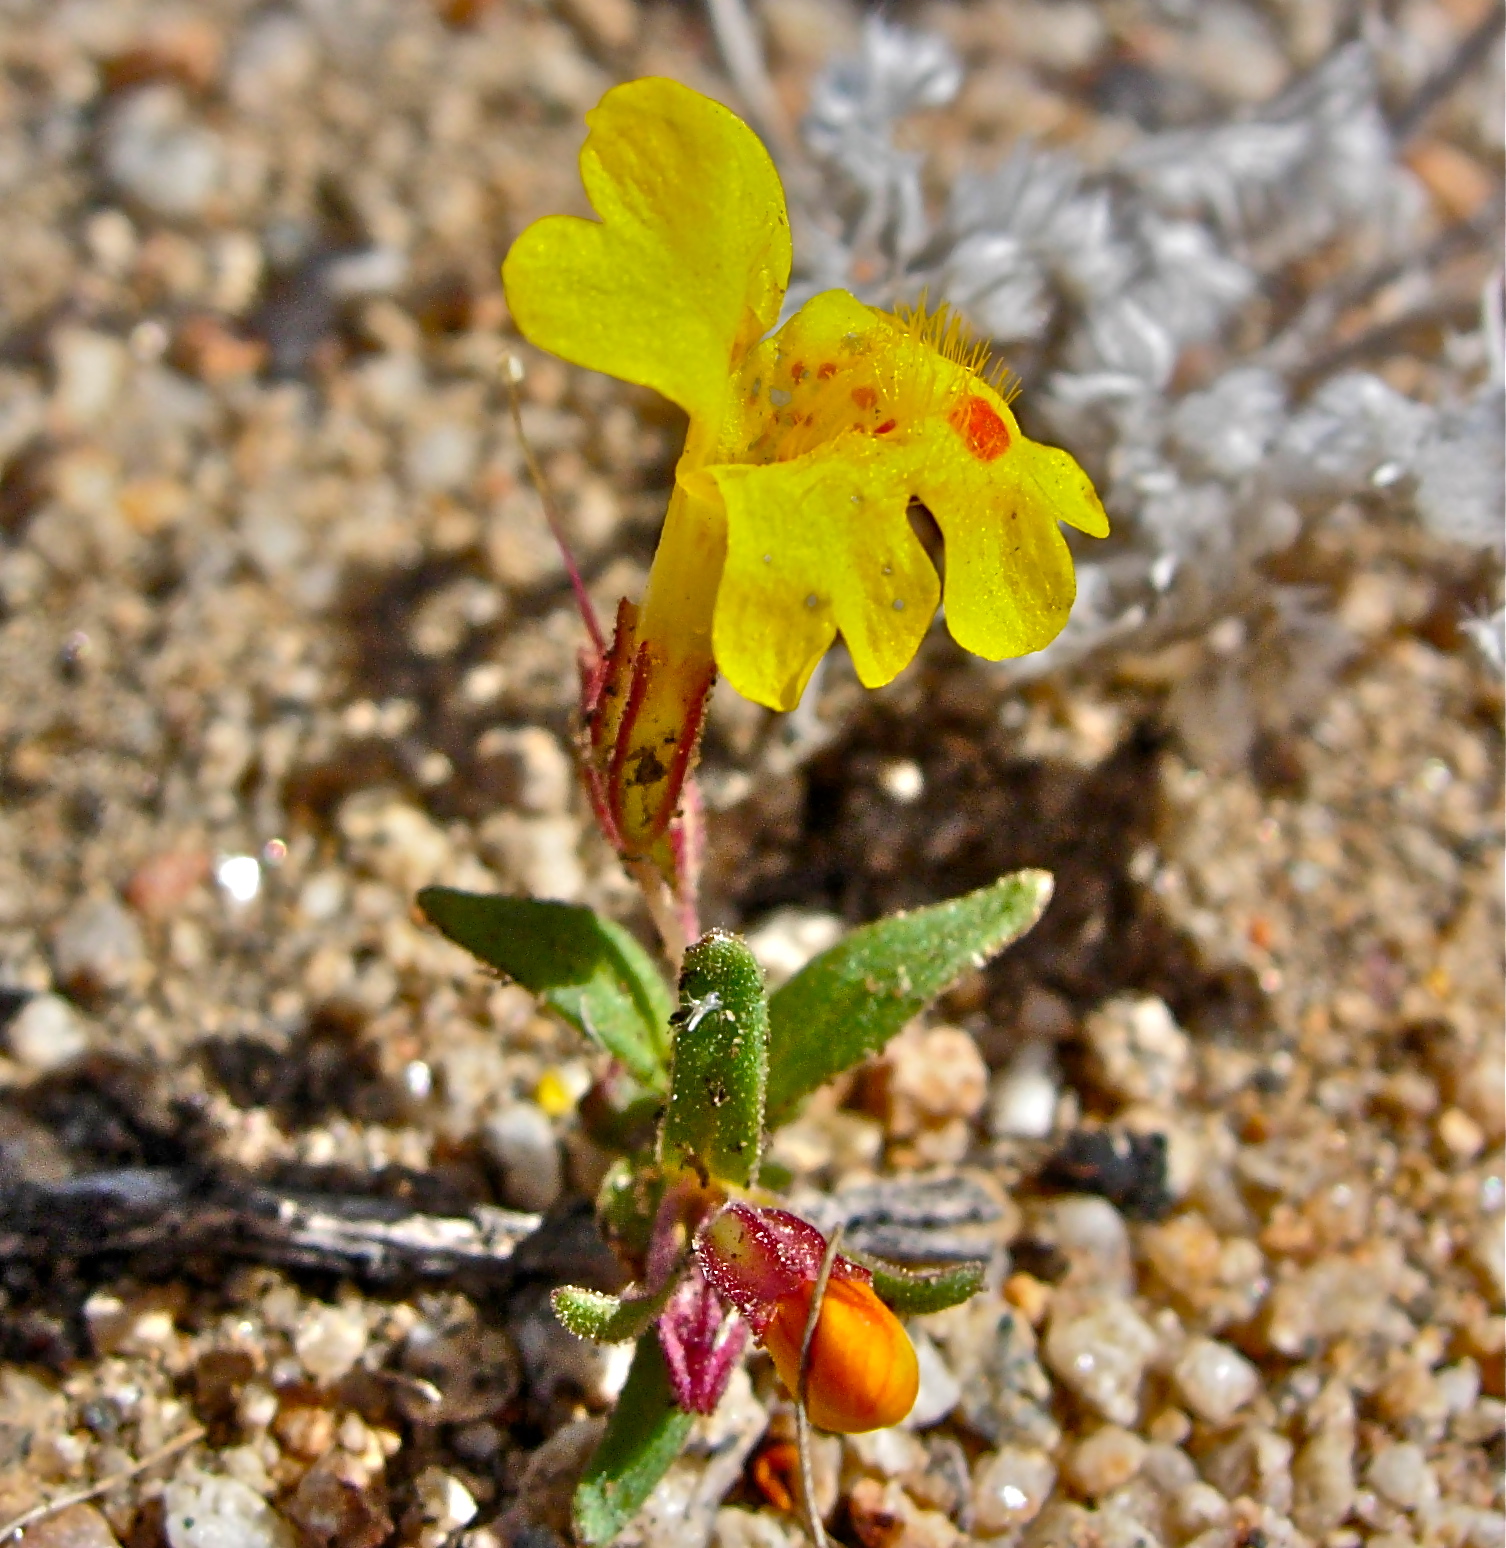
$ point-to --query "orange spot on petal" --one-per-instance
(797, 371)
(864, 397)
(826, 372)
(884, 428)
(976, 421)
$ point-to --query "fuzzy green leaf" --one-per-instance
(607, 1319)
(914, 1292)
(848, 1002)
(720, 1064)
(645, 1434)
(583, 967)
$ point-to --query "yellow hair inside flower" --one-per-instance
(790, 517)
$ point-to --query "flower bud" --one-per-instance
(862, 1373)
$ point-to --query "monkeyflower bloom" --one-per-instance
(789, 517)
(861, 1373)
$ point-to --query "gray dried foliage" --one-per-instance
(1101, 279)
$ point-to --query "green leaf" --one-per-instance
(720, 1065)
(608, 1319)
(585, 968)
(848, 1002)
(645, 1434)
(914, 1292)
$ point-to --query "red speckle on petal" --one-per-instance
(885, 428)
(797, 371)
(977, 422)
(864, 397)
(826, 372)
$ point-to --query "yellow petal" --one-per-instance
(813, 546)
(997, 497)
(688, 264)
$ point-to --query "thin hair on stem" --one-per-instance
(513, 372)
(802, 1419)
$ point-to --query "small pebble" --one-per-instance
(203, 1511)
(1167, 1467)
(1023, 1105)
(935, 1074)
(394, 840)
(329, 1341)
(1006, 1395)
(91, 370)
(885, 1514)
(1030, 1295)
(1184, 1251)
(305, 1430)
(540, 854)
(1323, 1481)
(157, 156)
(460, 1372)
(446, 1503)
(1195, 1508)
(1458, 1386)
(334, 1511)
(522, 1141)
(1100, 1348)
(1215, 1380)
(1482, 1422)
(554, 1358)
(739, 1528)
(1480, 1089)
(1169, 1427)
(1336, 1296)
(1106, 1459)
(1139, 1052)
(77, 1526)
(1459, 1134)
(1486, 1250)
(888, 1453)
(98, 947)
(1401, 1474)
(163, 882)
(1010, 1486)
(1095, 1239)
(542, 776)
(441, 457)
(47, 1033)
(274, 58)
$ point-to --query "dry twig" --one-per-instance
(179, 1442)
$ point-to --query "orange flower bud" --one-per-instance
(863, 1373)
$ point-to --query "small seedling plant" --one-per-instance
(788, 524)
(693, 1085)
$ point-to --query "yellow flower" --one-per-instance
(789, 518)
